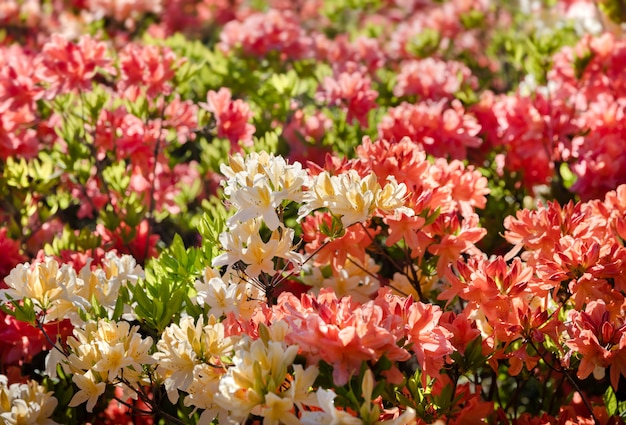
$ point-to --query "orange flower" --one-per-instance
(599, 337)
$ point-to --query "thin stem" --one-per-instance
(569, 377)
(364, 270)
(150, 402)
(415, 280)
(53, 344)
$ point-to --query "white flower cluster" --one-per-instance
(58, 292)
(102, 353)
(354, 198)
(258, 184)
(25, 404)
(189, 359)
(225, 296)
(243, 243)
(264, 381)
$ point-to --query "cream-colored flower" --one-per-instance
(300, 390)
(203, 390)
(329, 414)
(243, 244)
(354, 198)
(259, 368)
(185, 345)
(51, 288)
(278, 410)
(222, 298)
(113, 360)
(391, 198)
(104, 283)
(258, 184)
(109, 351)
(27, 403)
(90, 389)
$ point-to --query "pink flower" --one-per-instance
(403, 159)
(125, 12)
(600, 339)
(149, 67)
(11, 255)
(304, 135)
(261, 33)
(353, 243)
(342, 332)
(18, 84)
(431, 341)
(453, 238)
(45, 233)
(601, 154)
(352, 92)
(345, 55)
(71, 66)
(231, 117)
(17, 135)
(182, 117)
(442, 131)
(433, 79)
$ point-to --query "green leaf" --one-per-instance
(610, 401)
(25, 312)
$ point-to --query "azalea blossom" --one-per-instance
(89, 390)
(354, 198)
(186, 345)
(26, 403)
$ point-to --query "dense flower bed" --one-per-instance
(316, 212)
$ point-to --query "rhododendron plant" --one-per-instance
(312, 212)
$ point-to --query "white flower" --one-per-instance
(90, 390)
(27, 403)
(354, 198)
(258, 185)
(221, 297)
(53, 289)
(185, 345)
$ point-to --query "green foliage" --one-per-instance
(70, 240)
(614, 9)
(164, 293)
(425, 44)
(527, 52)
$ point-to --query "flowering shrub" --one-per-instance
(312, 212)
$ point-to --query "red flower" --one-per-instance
(231, 117)
(11, 255)
(352, 92)
(147, 66)
(72, 66)
(135, 241)
(600, 339)
(441, 130)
